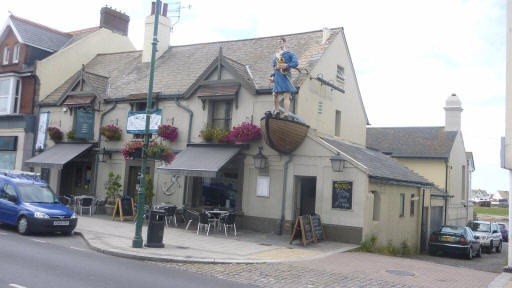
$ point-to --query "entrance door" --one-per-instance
(76, 179)
(307, 195)
(133, 180)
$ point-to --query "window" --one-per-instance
(412, 205)
(376, 206)
(337, 124)
(463, 186)
(6, 55)
(221, 114)
(402, 204)
(340, 74)
(10, 92)
(16, 53)
(8, 191)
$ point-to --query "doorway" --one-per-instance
(305, 195)
(76, 179)
(132, 187)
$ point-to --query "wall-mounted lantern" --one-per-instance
(337, 162)
(260, 161)
(103, 155)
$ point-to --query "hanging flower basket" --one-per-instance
(157, 151)
(132, 149)
(207, 134)
(244, 133)
(55, 134)
(111, 132)
(70, 135)
(168, 132)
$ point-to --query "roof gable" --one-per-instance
(379, 165)
(37, 35)
(411, 142)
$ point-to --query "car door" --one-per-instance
(496, 234)
(8, 207)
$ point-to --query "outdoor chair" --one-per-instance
(229, 221)
(170, 213)
(86, 203)
(204, 222)
(189, 216)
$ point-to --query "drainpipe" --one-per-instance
(99, 145)
(283, 202)
(421, 225)
(445, 190)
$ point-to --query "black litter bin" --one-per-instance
(156, 229)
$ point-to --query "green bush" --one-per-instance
(370, 246)
(113, 188)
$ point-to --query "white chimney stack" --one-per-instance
(326, 33)
(164, 33)
(453, 113)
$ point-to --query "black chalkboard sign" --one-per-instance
(317, 226)
(303, 230)
(308, 227)
(342, 195)
(126, 206)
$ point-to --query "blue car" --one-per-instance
(30, 204)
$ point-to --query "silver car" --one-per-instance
(489, 235)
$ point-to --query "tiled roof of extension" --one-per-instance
(413, 142)
(178, 68)
(379, 165)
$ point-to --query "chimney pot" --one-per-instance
(153, 8)
(164, 12)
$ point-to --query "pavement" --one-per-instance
(115, 238)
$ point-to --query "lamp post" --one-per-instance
(337, 162)
(137, 239)
(260, 161)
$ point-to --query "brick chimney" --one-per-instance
(114, 20)
(164, 33)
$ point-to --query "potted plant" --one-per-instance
(111, 132)
(168, 132)
(207, 134)
(70, 135)
(113, 191)
(55, 134)
(132, 149)
(245, 132)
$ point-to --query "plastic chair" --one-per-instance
(189, 216)
(204, 222)
(86, 203)
(229, 221)
(170, 213)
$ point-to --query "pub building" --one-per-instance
(268, 182)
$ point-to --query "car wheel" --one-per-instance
(23, 226)
(431, 251)
(68, 233)
(470, 253)
(498, 249)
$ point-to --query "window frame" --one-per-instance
(13, 98)
(16, 53)
(340, 73)
(402, 205)
(5, 55)
(228, 119)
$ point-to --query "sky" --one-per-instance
(409, 55)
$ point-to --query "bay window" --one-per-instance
(10, 92)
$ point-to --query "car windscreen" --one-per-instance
(36, 194)
(452, 229)
(480, 227)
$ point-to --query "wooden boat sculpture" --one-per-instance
(282, 135)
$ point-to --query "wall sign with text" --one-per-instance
(342, 195)
(136, 123)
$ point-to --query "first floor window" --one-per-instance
(16, 53)
(221, 114)
(340, 73)
(10, 92)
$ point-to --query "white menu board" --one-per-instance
(41, 130)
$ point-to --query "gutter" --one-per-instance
(99, 145)
(283, 201)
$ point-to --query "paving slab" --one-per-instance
(115, 238)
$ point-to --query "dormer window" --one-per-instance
(16, 53)
(6, 55)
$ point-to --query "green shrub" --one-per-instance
(369, 245)
(113, 187)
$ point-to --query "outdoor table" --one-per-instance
(217, 214)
